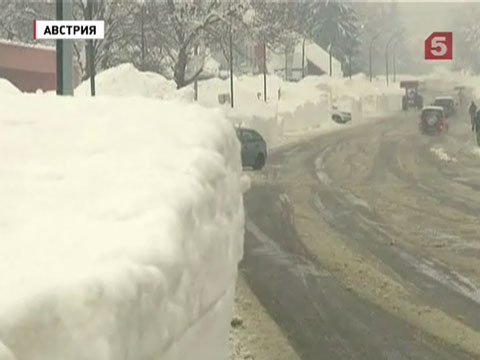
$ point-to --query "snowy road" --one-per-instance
(378, 255)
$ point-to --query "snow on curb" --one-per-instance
(442, 155)
(123, 229)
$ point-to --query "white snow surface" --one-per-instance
(27, 45)
(303, 106)
(121, 231)
(7, 88)
(126, 80)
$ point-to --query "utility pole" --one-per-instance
(231, 63)
(91, 50)
(370, 55)
(330, 57)
(303, 58)
(386, 56)
(195, 82)
(394, 62)
(64, 52)
(264, 70)
(142, 21)
(350, 66)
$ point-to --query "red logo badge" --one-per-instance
(438, 46)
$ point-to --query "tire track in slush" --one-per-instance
(321, 318)
(438, 285)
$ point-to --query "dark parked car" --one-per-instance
(433, 120)
(254, 148)
(447, 103)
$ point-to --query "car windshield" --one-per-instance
(444, 102)
(429, 113)
(239, 180)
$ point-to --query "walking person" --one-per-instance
(476, 126)
(472, 110)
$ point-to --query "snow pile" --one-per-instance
(476, 151)
(126, 80)
(356, 87)
(211, 67)
(7, 88)
(123, 229)
(442, 155)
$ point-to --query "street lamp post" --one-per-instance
(264, 70)
(142, 32)
(350, 66)
(330, 55)
(230, 43)
(303, 58)
(394, 59)
(386, 55)
(370, 55)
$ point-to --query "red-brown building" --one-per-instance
(29, 67)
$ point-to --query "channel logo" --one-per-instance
(68, 29)
(438, 46)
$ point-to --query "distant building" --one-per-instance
(248, 59)
(29, 67)
(316, 62)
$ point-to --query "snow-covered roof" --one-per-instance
(27, 45)
(313, 53)
(436, 108)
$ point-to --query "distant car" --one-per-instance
(341, 117)
(433, 120)
(254, 148)
(447, 103)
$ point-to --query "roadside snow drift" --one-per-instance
(126, 80)
(121, 229)
(7, 88)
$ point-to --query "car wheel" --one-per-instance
(259, 162)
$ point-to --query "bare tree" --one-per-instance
(183, 25)
(16, 18)
(118, 21)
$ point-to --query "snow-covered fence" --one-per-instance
(123, 229)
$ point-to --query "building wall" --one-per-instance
(29, 81)
(30, 68)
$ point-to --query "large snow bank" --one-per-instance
(121, 229)
(126, 80)
(7, 88)
(356, 87)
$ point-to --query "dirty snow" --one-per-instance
(476, 151)
(123, 229)
(442, 155)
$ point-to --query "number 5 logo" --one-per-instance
(438, 46)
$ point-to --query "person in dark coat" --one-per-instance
(476, 126)
(472, 110)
